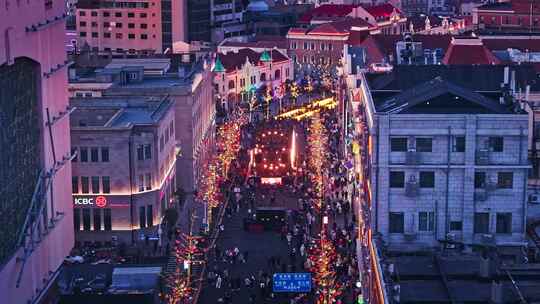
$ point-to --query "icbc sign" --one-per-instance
(99, 201)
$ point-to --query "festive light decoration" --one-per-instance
(309, 110)
(318, 141)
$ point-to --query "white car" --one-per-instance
(381, 67)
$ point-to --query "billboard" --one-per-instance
(292, 282)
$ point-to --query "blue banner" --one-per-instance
(292, 282)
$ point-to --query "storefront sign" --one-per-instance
(99, 201)
(292, 282)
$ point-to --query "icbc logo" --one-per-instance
(101, 201)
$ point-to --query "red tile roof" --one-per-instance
(328, 10)
(267, 43)
(342, 27)
(234, 60)
(381, 11)
(533, 45)
(468, 54)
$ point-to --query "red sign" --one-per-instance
(101, 201)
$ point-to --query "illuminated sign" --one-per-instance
(99, 201)
(292, 282)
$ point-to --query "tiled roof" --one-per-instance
(264, 42)
(234, 60)
(381, 11)
(327, 10)
(341, 27)
(499, 6)
(387, 43)
(533, 45)
(468, 54)
(419, 22)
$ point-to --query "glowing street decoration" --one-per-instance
(293, 150)
(309, 110)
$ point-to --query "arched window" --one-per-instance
(263, 76)
(277, 74)
(231, 84)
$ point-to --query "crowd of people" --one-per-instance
(300, 231)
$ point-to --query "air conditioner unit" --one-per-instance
(450, 236)
(534, 198)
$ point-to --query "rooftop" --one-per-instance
(117, 112)
(468, 52)
(236, 59)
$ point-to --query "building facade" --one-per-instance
(198, 20)
(187, 81)
(227, 19)
(238, 73)
(123, 203)
(35, 208)
(511, 16)
(130, 26)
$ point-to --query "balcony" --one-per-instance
(411, 188)
(482, 157)
(412, 157)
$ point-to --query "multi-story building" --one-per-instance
(238, 73)
(443, 160)
(510, 16)
(36, 213)
(131, 26)
(120, 202)
(227, 19)
(198, 20)
(186, 79)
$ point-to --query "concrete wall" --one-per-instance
(45, 46)
(461, 192)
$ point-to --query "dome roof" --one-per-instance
(257, 6)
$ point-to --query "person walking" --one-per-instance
(218, 282)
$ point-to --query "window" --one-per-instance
(397, 179)
(396, 222)
(481, 222)
(82, 13)
(147, 151)
(330, 46)
(161, 143)
(231, 84)
(106, 24)
(427, 179)
(277, 74)
(293, 45)
(424, 144)
(118, 25)
(140, 152)
(85, 184)
(144, 25)
(94, 155)
(131, 36)
(426, 221)
(107, 219)
(305, 45)
(253, 79)
(86, 219)
(74, 184)
(496, 144)
(106, 14)
(97, 219)
(141, 182)
(504, 222)
(479, 180)
(75, 154)
(118, 14)
(312, 45)
(323, 46)
(118, 36)
(143, 15)
(93, 14)
(94, 24)
(82, 34)
(263, 76)
(398, 144)
(82, 23)
(142, 217)
(144, 36)
(77, 219)
(149, 216)
(95, 184)
(148, 181)
(107, 35)
(458, 144)
(131, 15)
(106, 183)
(105, 154)
(505, 180)
(456, 226)
(131, 25)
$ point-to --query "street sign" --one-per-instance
(292, 282)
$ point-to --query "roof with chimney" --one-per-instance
(469, 51)
(328, 10)
(232, 61)
(439, 96)
(336, 28)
